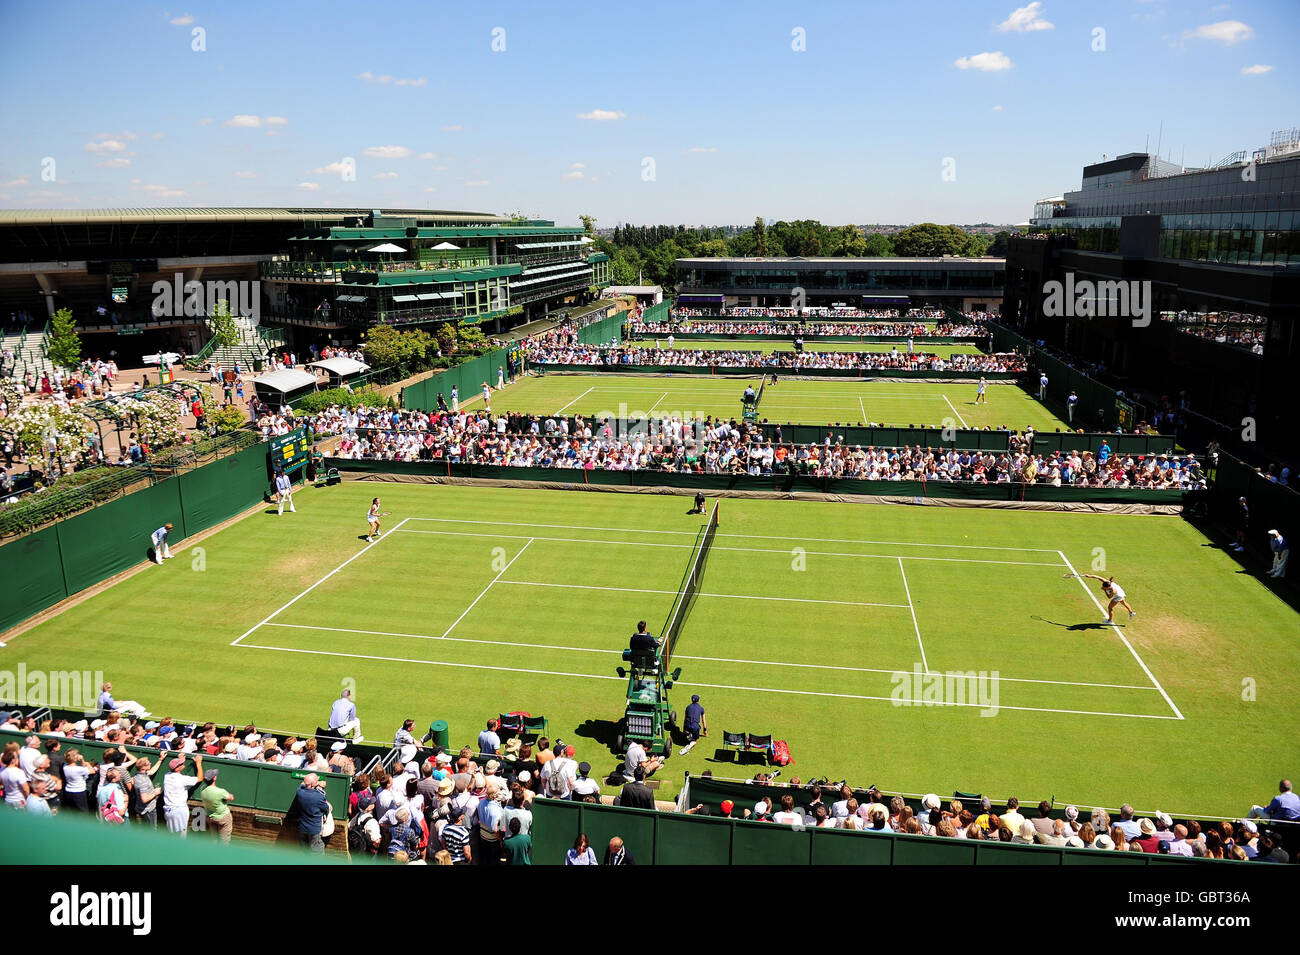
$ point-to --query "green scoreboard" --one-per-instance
(289, 451)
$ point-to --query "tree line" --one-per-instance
(646, 254)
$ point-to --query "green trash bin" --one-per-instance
(439, 734)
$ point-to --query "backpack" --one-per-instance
(557, 784)
(110, 811)
(781, 753)
(358, 841)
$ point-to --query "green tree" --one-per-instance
(63, 345)
(224, 329)
(930, 239)
(878, 245)
(386, 347)
(759, 234)
(588, 224)
(470, 338)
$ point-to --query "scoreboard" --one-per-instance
(289, 451)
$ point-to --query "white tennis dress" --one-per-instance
(1117, 592)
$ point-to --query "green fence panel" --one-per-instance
(220, 490)
(995, 853)
(762, 843)
(923, 850)
(693, 840)
(31, 569)
(636, 827)
(556, 824)
(1101, 857)
(115, 537)
(847, 847)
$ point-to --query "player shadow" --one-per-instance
(604, 732)
(1098, 625)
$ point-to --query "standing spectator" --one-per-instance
(144, 793)
(112, 798)
(38, 802)
(75, 772)
(559, 775)
(1070, 404)
(216, 802)
(312, 808)
(455, 838)
(518, 845)
(1243, 523)
(617, 854)
(1281, 551)
(637, 794)
(343, 717)
(15, 781)
(159, 537)
(1042, 386)
(581, 853)
(176, 793)
(284, 494)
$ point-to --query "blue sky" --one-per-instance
(854, 127)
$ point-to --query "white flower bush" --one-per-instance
(155, 417)
(50, 431)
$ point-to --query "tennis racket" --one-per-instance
(384, 513)
(1068, 576)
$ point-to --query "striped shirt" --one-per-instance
(454, 839)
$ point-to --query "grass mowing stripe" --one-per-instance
(488, 587)
(636, 590)
(925, 666)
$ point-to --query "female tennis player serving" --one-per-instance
(1115, 593)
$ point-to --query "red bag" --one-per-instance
(781, 753)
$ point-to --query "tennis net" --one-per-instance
(762, 383)
(690, 586)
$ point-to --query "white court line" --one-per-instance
(488, 587)
(679, 656)
(714, 686)
(956, 412)
(912, 607)
(235, 642)
(1150, 676)
(864, 410)
(775, 537)
(656, 404)
(634, 590)
(579, 398)
(743, 550)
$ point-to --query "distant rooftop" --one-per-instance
(229, 213)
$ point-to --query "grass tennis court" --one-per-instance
(482, 600)
(895, 402)
(722, 344)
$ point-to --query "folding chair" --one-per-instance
(759, 744)
(734, 741)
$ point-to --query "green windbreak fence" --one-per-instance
(1272, 506)
(467, 378)
(254, 785)
(79, 839)
(1097, 403)
(604, 331)
(967, 439)
(666, 838)
(754, 371)
(781, 483)
(56, 562)
(919, 343)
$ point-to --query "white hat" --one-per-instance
(444, 759)
(151, 725)
(407, 754)
(1274, 533)
(251, 738)
(80, 726)
(339, 747)
(299, 746)
(98, 724)
(930, 801)
(232, 748)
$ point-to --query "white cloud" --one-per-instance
(576, 174)
(1027, 19)
(578, 165)
(703, 149)
(998, 109)
(602, 115)
(157, 136)
(386, 79)
(452, 129)
(106, 146)
(427, 156)
(118, 163)
(128, 136)
(476, 182)
(333, 169)
(15, 182)
(385, 175)
(984, 62)
(1257, 69)
(246, 174)
(309, 186)
(1227, 32)
(248, 121)
(158, 191)
(430, 189)
(386, 152)
(1221, 7)
(182, 21)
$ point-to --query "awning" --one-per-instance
(548, 245)
(386, 247)
(351, 298)
(287, 380)
(340, 366)
(429, 296)
(584, 273)
(445, 246)
(404, 298)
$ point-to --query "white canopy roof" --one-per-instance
(290, 379)
(387, 247)
(446, 245)
(340, 366)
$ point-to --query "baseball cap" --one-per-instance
(1249, 825)
(728, 805)
(339, 747)
(176, 764)
(583, 768)
(210, 776)
(151, 725)
(695, 697)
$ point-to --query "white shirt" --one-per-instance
(14, 779)
(27, 757)
(176, 790)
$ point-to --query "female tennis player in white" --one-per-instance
(1115, 593)
(372, 518)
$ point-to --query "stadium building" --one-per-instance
(322, 273)
(1217, 248)
(973, 284)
